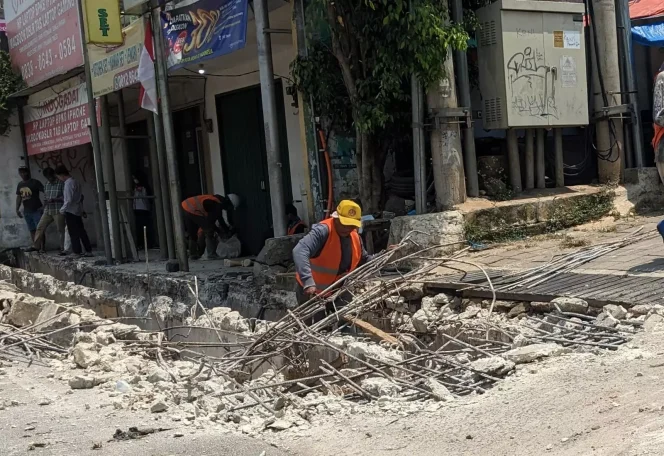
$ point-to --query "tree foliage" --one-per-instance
(361, 54)
(10, 82)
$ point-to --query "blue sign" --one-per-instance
(204, 30)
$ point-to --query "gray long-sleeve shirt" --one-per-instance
(311, 245)
(72, 195)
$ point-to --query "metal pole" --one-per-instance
(109, 164)
(419, 156)
(96, 145)
(158, 133)
(513, 160)
(630, 75)
(156, 189)
(169, 139)
(530, 158)
(128, 181)
(463, 81)
(540, 164)
(270, 121)
(559, 162)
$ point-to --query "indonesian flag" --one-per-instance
(148, 93)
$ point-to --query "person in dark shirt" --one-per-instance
(27, 193)
(295, 223)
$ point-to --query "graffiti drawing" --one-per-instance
(76, 160)
(531, 83)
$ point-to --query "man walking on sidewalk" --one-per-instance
(72, 209)
(53, 200)
(27, 193)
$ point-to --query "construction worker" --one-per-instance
(658, 125)
(205, 211)
(332, 249)
(295, 223)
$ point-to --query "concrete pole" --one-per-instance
(128, 181)
(96, 144)
(463, 81)
(530, 158)
(419, 155)
(156, 190)
(270, 120)
(606, 82)
(446, 152)
(109, 164)
(169, 140)
(559, 163)
(158, 135)
(540, 163)
(622, 9)
(513, 160)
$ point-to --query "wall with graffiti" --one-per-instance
(13, 231)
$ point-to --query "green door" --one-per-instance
(244, 159)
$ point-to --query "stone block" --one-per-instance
(429, 229)
(531, 353)
(25, 310)
(574, 305)
(278, 250)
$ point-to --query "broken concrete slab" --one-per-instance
(493, 366)
(85, 355)
(25, 310)
(652, 322)
(606, 320)
(530, 353)
(574, 305)
(541, 307)
(617, 312)
(379, 387)
(519, 309)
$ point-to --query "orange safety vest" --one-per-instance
(325, 267)
(293, 229)
(194, 205)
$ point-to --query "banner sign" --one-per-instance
(3, 26)
(102, 21)
(204, 30)
(44, 37)
(117, 67)
(58, 121)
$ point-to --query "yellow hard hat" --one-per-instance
(349, 213)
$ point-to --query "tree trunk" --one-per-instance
(369, 172)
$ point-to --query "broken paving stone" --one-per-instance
(531, 353)
(85, 355)
(641, 309)
(617, 312)
(159, 406)
(574, 305)
(82, 382)
(518, 310)
(606, 320)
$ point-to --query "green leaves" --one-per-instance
(10, 82)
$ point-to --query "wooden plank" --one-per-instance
(371, 329)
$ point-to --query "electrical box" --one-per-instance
(532, 64)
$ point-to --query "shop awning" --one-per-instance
(647, 18)
(641, 9)
(649, 35)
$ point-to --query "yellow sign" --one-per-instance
(102, 22)
(114, 68)
(558, 39)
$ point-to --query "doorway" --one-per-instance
(187, 128)
(244, 161)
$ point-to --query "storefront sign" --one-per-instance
(117, 67)
(102, 22)
(3, 26)
(44, 37)
(58, 121)
(204, 30)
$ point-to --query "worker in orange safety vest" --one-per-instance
(207, 213)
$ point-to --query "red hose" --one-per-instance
(328, 165)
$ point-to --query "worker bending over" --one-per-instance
(331, 250)
(205, 211)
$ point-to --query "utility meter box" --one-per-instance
(532, 64)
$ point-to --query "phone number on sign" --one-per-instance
(47, 58)
(125, 79)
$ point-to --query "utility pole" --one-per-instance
(606, 82)
(446, 152)
(463, 80)
(266, 72)
(419, 155)
(169, 139)
(158, 133)
(513, 160)
(96, 145)
(128, 181)
(156, 190)
(109, 164)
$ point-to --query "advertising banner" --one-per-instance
(102, 21)
(44, 37)
(114, 68)
(204, 30)
(58, 121)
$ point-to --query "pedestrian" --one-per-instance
(27, 193)
(295, 223)
(72, 209)
(205, 212)
(658, 125)
(142, 212)
(53, 200)
(332, 249)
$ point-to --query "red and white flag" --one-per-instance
(148, 93)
